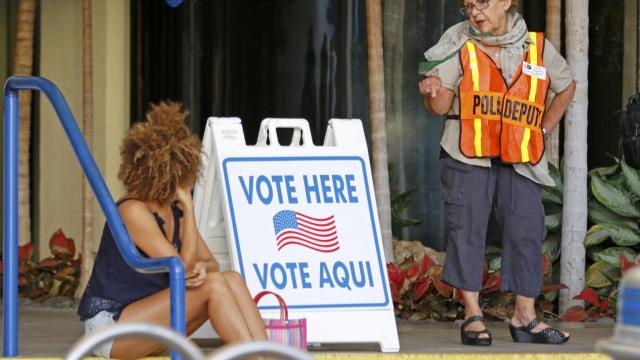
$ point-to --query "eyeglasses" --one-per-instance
(479, 5)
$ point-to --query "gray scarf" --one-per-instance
(455, 37)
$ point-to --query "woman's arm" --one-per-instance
(206, 256)
(197, 250)
(558, 106)
(146, 234)
(189, 235)
(437, 99)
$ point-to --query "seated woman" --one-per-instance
(160, 163)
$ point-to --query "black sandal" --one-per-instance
(548, 335)
(469, 337)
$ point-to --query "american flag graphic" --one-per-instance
(295, 228)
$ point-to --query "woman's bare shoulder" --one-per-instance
(133, 208)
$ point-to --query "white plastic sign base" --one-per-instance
(301, 220)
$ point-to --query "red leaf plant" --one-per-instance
(599, 303)
(25, 252)
(575, 314)
(625, 264)
(590, 296)
(62, 246)
(56, 275)
(419, 293)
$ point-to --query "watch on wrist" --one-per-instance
(544, 131)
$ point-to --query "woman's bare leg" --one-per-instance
(225, 314)
(155, 309)
(245, 303)
(213, 300)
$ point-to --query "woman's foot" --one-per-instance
(537, 332)
(474, 328)
(477, 325)
(519, 322)
(526, 328)
(474, 332)
(525, 313)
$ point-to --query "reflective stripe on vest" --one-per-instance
(475, 76)
(533, 50)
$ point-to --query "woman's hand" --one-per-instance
(437, 99)
(430, 86)
(183, 196)
(200, 271)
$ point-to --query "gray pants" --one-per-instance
(469, 194)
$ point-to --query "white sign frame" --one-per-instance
(224, 145)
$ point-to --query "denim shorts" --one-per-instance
(99, 321)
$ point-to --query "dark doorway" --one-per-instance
(606, 46)
(168, 60)
(252, 59)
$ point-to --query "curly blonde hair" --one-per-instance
(159, 154)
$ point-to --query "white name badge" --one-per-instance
(534, 71)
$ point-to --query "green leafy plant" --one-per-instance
(612, 241)
(399, 205)
(598, 302)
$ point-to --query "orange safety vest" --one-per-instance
(497, 120)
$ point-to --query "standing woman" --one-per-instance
(160, 164)
(503, 89)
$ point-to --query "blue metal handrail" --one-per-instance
(10, 280)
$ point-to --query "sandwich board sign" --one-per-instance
(300, 220)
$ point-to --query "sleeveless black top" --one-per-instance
(114, 284)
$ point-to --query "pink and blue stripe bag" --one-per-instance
(292, 332)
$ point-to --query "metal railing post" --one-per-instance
(10, 235)
(173, 265)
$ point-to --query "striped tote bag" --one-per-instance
(292, 332)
